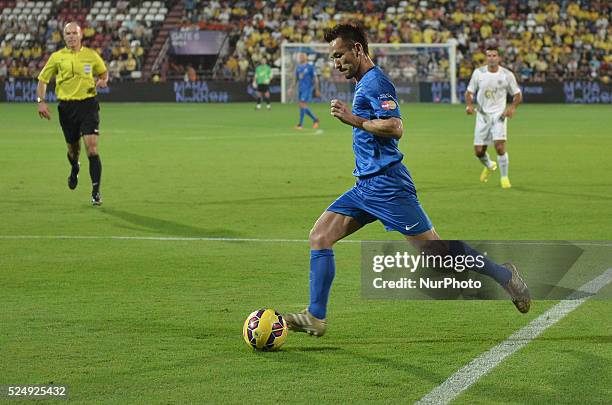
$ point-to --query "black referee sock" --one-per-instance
(73, 162)
(95, 171)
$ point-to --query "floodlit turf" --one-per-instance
(150, 321)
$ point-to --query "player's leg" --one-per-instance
(315, 120)
(504, 161)
(481, 140)
(506, 275)
(395, 204)
(302, 106)
(329, 228)
(74, 150)
(70, 128)
(259, 97)
(268, 104)
(95, 167)
(89, 128)
(498, 134)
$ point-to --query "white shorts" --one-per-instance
(489, 128)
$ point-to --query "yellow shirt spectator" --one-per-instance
(7, 50)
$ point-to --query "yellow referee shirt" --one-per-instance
(75, 73)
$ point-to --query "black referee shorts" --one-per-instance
(263, 88)
(78, 118)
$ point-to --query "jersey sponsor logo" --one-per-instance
(388, 105)
(87, 68)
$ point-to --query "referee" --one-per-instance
(75, 67)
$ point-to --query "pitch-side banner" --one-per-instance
(451, 270)
(226, 91)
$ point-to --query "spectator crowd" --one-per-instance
(538, 40)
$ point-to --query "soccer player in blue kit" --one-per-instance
(384, 189)
(307, 83)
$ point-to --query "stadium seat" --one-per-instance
(146, 4)
(136, 74)
(160, 18)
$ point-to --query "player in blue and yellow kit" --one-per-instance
(384, 189)
(307, 83)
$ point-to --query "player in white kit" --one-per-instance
(492, 83)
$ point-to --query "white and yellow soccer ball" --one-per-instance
(265, 330)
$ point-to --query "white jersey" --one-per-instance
(492, 89)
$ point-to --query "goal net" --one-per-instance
(411, 67)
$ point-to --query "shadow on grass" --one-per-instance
(166, 227)
(606, 196)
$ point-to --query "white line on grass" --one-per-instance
(274, 240)
(483, 364)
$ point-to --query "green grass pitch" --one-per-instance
(159, 321)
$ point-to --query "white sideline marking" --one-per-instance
(470, 373)
(263, 240)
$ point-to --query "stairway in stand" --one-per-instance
(172, 21)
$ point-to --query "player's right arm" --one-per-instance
(294, 84)
(44, 78)
(317, 89)
(469, 94)
(387, 127)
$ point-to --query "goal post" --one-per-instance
(409, 66)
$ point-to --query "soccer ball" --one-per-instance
(265, 330)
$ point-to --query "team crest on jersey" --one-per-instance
(388, 105)
(87, 68)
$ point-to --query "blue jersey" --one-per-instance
(306, 75)
(374, 98)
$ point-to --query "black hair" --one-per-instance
(349, 33)
(492, 48)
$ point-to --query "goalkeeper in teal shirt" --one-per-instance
(261, 83)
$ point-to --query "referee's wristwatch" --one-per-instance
(39, 100)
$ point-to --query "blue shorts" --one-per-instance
(305, 95)
(389, 197)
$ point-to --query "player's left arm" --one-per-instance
(516, 99)
(101, 71)
(102, 80)
(317, 91)
(391, 127)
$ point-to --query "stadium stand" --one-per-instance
(122, 33)
(540, 40)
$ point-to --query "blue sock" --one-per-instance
(302, 112)
(310, 114)
(322, 272)
(498, 272)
